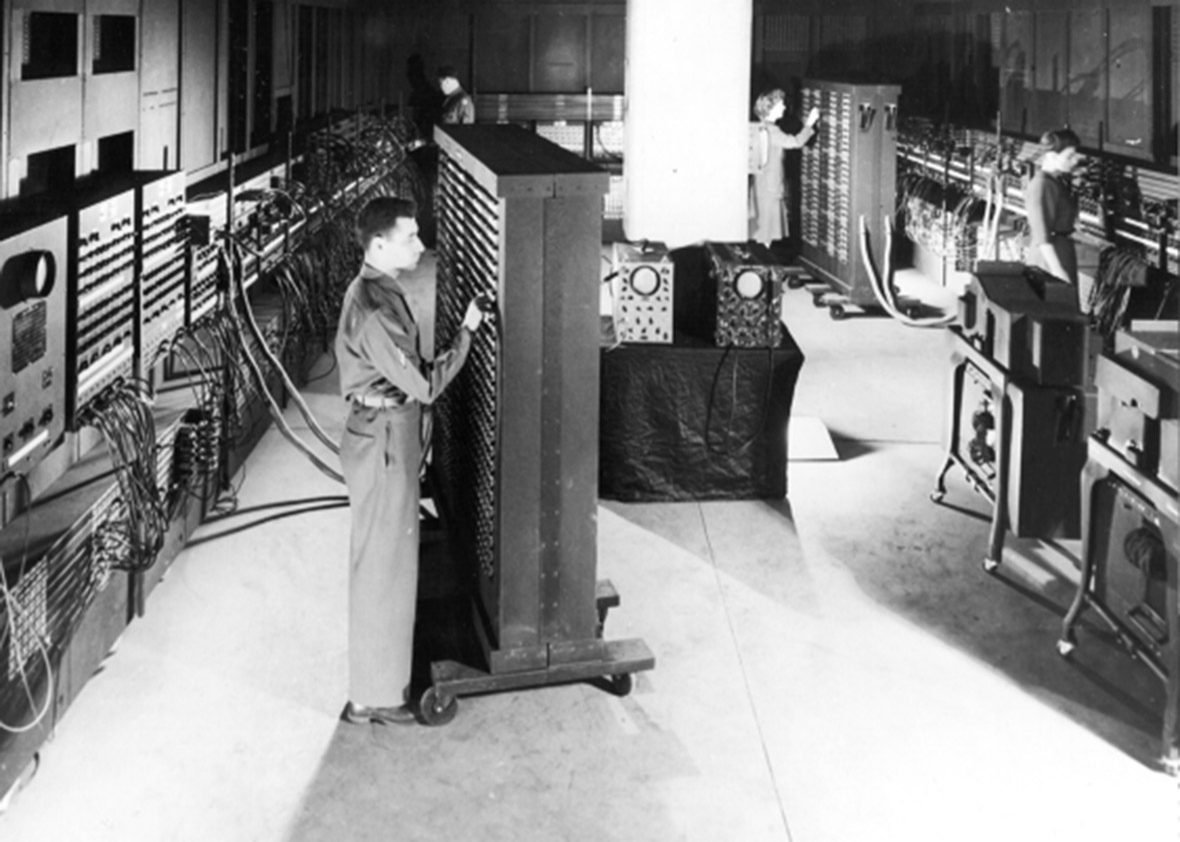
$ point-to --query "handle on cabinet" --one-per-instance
(867, 114)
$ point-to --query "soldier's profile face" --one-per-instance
(401, 247)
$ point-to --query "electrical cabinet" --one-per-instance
(1016, 421)
(162, 264)
(102, 292)
(642, 291)
(849, 175)
(515, 466)
(1131, 525)
(33, 336)
(749, 295)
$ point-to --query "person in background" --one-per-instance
(457, 107)
(1051, 208)
(386, 383)
(769, 196)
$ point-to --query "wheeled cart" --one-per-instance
(515, 444)
(450, 679)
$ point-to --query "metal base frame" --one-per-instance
(619, 659)
(997, 493)
(1102, 463)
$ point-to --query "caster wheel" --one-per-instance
(437, 709)
(818, 301)
(936, 496)
(1065, 647)
(795, 282)
(622, 684)
(990, 565)
(837, 312)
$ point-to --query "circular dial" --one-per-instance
(27, 276)
(748, 284)
(645, 280)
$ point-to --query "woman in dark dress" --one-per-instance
(1052, 211)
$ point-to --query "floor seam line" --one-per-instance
(782, 809)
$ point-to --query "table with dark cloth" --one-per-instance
(691, 421)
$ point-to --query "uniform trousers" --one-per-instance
(379, 454)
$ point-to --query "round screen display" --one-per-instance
(748, 284)
(645, 280)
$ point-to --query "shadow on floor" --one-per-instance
(926, 567)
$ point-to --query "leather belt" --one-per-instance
(380, 401)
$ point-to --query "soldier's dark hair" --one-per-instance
(380, 215)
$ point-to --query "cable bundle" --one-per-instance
(24, 632)
(196, 450)
(884, 288)
(942, 218)
(367, 149)
(131, 537)
(254, 368)
(1119, 270)
(967, 218)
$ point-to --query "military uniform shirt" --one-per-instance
(377, 345)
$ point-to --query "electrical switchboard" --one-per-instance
(163, 262)
(848, 174)
(515, 464)
(205, 224)
(102, 290)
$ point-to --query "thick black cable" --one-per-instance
(260, 341)
(204, 539)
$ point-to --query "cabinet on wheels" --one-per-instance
(515, 465)
(849, 173)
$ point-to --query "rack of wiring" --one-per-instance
(236, 287)
(961, 198)
(954, 188)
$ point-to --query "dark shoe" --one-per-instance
(358, 715)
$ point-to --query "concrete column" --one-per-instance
(686, 131)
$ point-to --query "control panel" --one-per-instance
(160, 208)
(32, 339)
(102, 285)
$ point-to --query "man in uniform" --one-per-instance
(457, 107)
(386, 383)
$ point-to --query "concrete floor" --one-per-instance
(835, 666)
